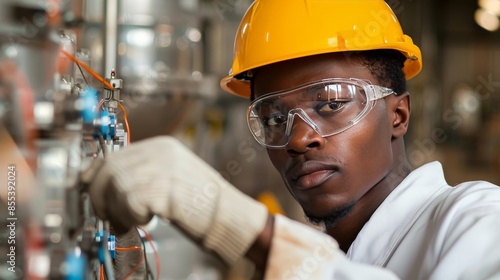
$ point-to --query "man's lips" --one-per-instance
(311, 174)
(314, 179)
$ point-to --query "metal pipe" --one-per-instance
(110, 35)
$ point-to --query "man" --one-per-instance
(327, 80)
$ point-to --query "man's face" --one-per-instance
(334, 175)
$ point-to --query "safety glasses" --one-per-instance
(329, 106)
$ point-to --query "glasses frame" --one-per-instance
(373, 93)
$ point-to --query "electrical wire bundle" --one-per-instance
(106, 267)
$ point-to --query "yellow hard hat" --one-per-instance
(275, 30)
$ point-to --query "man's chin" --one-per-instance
(331, 219)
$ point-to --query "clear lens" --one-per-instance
(328, 106)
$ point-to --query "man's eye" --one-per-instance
(275, 120)
(331, 106)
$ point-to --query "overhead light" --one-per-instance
(487, 20)
(491, 6)
(140, 37)
(193, 34)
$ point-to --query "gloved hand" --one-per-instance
(160, 176)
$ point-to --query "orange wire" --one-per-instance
(125, 119)
(133, 248)
(91, 72)
(157, 257)
(101, 273)
(133, 269)
(106, 83)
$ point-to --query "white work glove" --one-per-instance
(162, 177)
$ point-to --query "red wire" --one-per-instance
(133, 269)
(133, 248)
(157, 257)
(100, 104)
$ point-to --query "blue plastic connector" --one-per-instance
(75, 267)
(89, 100)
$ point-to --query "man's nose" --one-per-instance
(303, 136)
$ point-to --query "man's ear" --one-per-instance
(400, 114)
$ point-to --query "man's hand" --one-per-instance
(160, 176)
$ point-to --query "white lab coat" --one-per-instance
(425, 229)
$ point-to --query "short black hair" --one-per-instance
(384, 64)
(387, 66)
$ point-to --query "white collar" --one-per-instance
(396, 214)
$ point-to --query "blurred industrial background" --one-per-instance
(170, 55)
